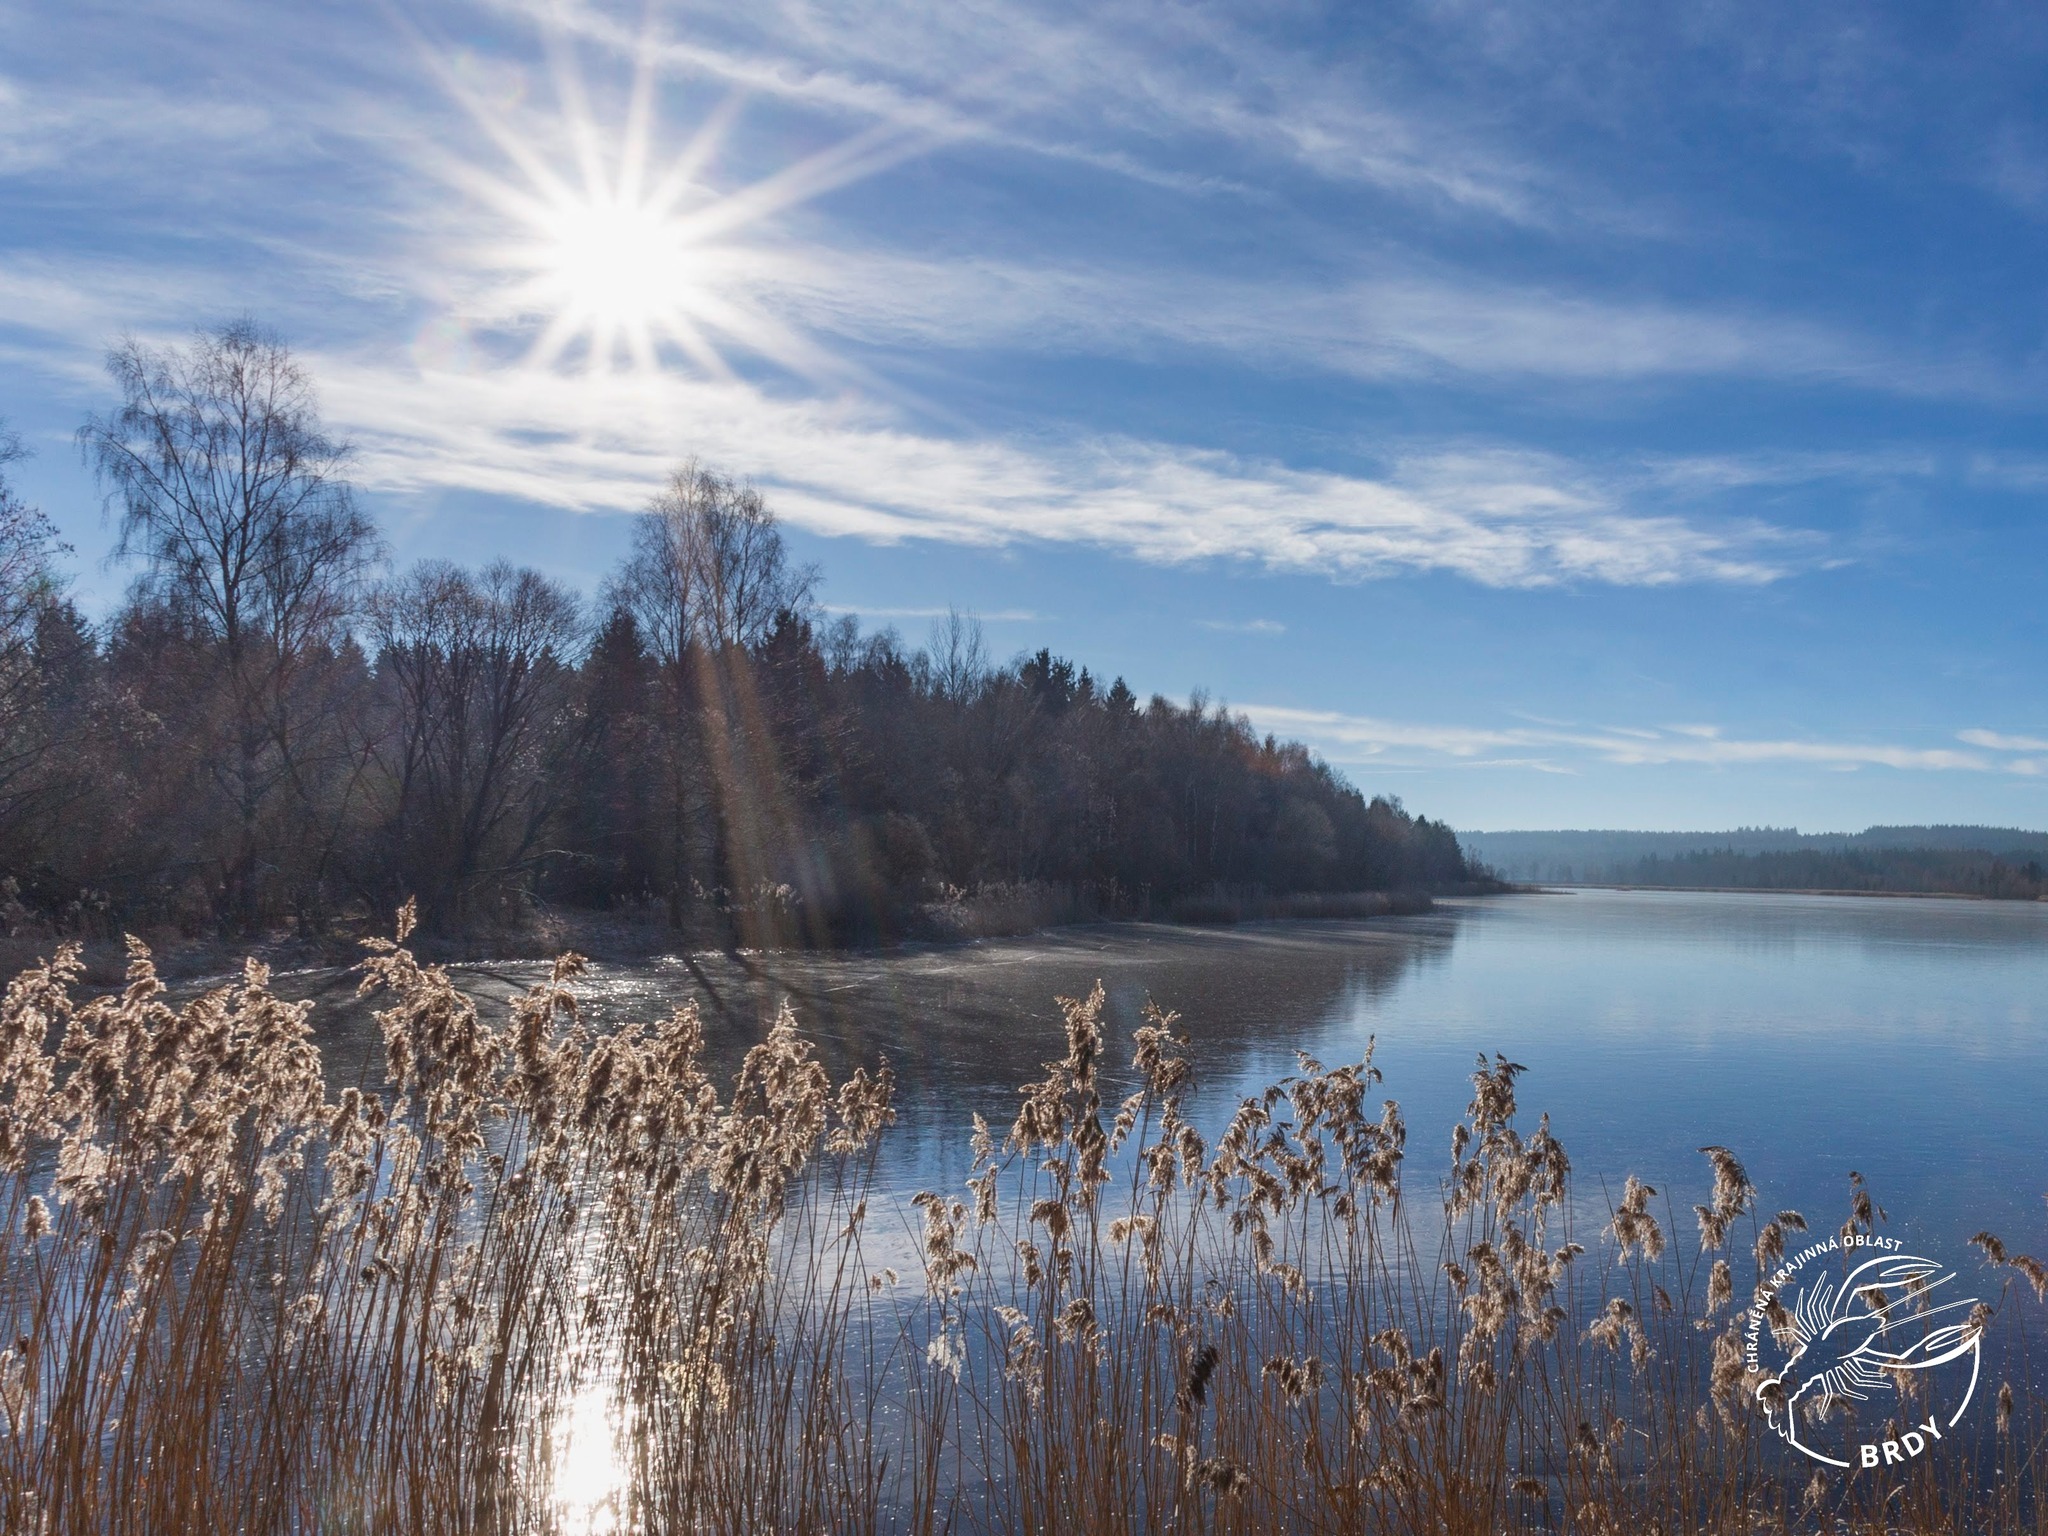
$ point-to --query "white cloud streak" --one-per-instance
(1996, 742)
(1392, 325)
(848, 468)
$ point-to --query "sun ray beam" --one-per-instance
(682, 174)
(637, 138)
(566, 75)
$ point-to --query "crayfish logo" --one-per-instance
(1883, 1345)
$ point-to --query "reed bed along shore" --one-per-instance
(545, 1279)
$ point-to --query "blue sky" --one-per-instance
(1587, 414)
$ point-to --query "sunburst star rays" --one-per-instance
(610, 255)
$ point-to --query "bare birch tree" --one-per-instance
(238, 505)
(707, 576)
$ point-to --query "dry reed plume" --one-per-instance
(548, 1279)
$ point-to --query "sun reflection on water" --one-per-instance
(590, 1465)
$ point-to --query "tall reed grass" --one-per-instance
(549, 1279)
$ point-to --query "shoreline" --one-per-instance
(616, 939)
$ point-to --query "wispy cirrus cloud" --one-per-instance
(1393, 325)
(850, 468)
(1243, 626)
(1132, 90)
(43, 127)
(1482, 334)
(930, 82)
(1365, 739)
(847, 451)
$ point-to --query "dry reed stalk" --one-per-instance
(236, 1303)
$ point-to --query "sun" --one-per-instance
(613, 258)
(618, 275)
(616, 263)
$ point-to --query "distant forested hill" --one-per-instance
(1963, 860)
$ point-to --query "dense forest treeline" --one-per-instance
(2017, 875)
(273, 731)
